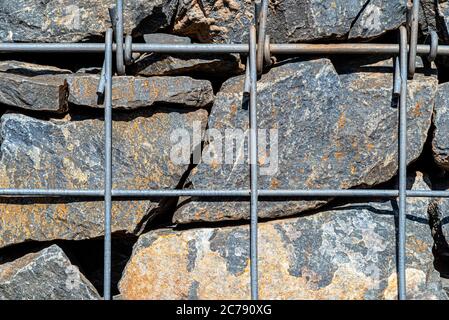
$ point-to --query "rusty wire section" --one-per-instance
(259, 51)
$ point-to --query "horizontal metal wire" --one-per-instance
(299, 48)
(225, 193)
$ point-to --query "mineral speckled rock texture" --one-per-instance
(347, 252)
(137, 92)
(70, 155)
(215, 66)
(75, 20)
(289, 20)
(45, 275)
(335, 131)
(440, 141)
(29, 69)
(209, 20)
(34, 93)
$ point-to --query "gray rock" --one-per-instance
(202, 65)
(377, 17)
(439, 212)
(29, 69)
(289, 20)
(348, 252)
(429, 18)
(334, 132)
(440, 141)
(34, 93)
(136, 92)
(70, 155)
(443, 14)
(89, 70)
(165, 38)
(45, 275)
(75, 20)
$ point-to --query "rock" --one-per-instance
(440, 229)
(428, 18)
(75, 20)
(439, 212)
(443, 14)
(70, 155)
(204, 66)
(34, 93)
(289, 20)
(45, 275)
(136, 92)
(29, 69)
(333, 132)
(347, 252)
(165, 38)
(89, 70)
(440, 143)
(200, 65)
(377, 17)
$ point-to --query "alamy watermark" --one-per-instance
(229, 146)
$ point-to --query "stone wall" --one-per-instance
(331, 123)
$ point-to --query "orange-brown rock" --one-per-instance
(347, 252)
(136, 92)
(41, 154)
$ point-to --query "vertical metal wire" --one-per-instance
(402, 166)
(413, 37)
(119, 38)
(107, 166)
(253, 163)
(397, 77)
(261, 21)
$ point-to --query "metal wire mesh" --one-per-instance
(259, 51)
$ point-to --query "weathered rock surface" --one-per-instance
(29, 69)
(34, 93)
(45, 275)
(135, 92)
(429, 17)
(209, 20)
(334, 131)
(203, 65)
(70, 155)
(440, 141)
(74, 20)
(289, 20)
(439, 212)
(344, 253)
(443, 14)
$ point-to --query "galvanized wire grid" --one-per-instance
(259, 51)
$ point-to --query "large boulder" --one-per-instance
(289, 20)
(44, 275)
(333, 131)
(75, 20)
(440, 142)
(70, 155)
(347, 252)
